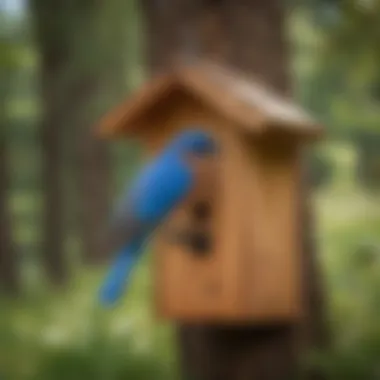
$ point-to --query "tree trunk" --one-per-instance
(79, 68)
(94, 169)
(251, 37)
(9, 271)
(9, 276)
(53, 45)
(94, 180)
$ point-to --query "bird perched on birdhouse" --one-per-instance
(228, 248)
(158, 190)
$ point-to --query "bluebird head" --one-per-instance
(194, 142)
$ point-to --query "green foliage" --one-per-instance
(350, 247)
(99, 361)
(368, 167)
(338, 80)
(50, 336)
(321, 169)
(341, 83)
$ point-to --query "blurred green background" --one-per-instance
(50, 324)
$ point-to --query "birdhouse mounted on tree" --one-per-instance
(231, 251)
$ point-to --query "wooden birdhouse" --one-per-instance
(231, 251)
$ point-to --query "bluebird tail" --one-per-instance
(118, 277)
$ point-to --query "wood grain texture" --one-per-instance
(273, 270)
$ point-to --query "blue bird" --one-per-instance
(159, 188)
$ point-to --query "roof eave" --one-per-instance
(121, 119)
(310, 131)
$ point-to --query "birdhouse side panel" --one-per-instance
(271, 243)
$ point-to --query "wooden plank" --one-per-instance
(273, 262)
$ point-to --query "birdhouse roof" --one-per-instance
(245, 101)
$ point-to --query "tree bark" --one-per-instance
(53, 44)
(9, 276)
(251, 36)
(80, 68)
(94, 179)
(106, 86)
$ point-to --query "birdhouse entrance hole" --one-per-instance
(202, 211)
(201, 241)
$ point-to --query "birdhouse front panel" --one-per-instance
(196, 276)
